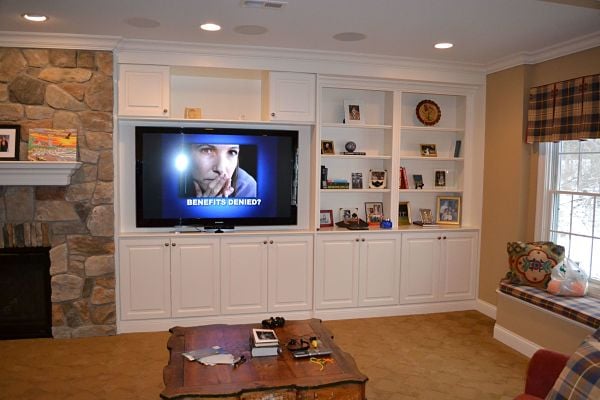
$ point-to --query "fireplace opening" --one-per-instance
(25, 293)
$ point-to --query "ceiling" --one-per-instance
(483, 31)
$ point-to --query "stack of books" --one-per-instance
(338, 184)
(264, 342)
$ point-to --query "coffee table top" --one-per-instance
(191, 378)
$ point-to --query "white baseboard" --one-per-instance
(514, 341)
(486, 308)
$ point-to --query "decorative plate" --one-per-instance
(428, 112)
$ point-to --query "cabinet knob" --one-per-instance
(363, 239)
(272, 114)
(444, 237)
(265, 242)
(166, 244)
(173, 244)
(271, 242)
(165, 111)
(439, 238)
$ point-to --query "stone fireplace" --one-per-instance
(52, 88)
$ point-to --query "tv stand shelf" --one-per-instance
(37, 173)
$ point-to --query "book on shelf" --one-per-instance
(353, 153)
(264, 338)
(337, 184)
(323, 177)
(457, 145)
(403, 178)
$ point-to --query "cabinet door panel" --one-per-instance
(243, 275)
(458, 267)
(379, 270)
(195, 277)
(144, 90)
(336, 284)
(420, 268)
(292, 96)
(144, 272)
(290, 273)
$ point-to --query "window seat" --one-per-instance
(585, 310)
(528, 319)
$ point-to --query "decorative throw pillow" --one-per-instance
(531, 263)
(580, 379)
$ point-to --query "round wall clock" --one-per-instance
(428, 112)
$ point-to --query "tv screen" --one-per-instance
(215, 177)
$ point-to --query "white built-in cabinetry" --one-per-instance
(438, 266)
(195, 278)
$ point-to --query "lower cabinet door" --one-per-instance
(336, 271)
(379, 280)
(419, 274)
(290, 272)
(144, 273)
(195, 280)
(458, 269)
(244, 275)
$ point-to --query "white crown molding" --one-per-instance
(58, 41)
(547, 53)
(297, 60)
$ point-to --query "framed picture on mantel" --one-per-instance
(9, 142)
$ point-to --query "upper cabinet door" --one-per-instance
(291, 96)
(144, 90)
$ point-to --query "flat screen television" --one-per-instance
(215, 177)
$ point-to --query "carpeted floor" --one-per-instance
(436, 356)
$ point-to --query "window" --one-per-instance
(572, 200)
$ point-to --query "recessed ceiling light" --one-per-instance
(250, 29)
(35, 17)
(210, 27)
(443, 45)
(349, 36)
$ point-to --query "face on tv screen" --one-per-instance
(210, 176)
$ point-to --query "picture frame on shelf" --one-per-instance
(448, 210)
(357, 180)
(326, 218)
(349, 215)
(327, 147)
(10, 139)
(193, 113)
(457, 146)
(374, 212)
(426, 215)
(377, 179)
(353, 112)
(440, 178)
(428, 150)
(418, 179)
(404, 213)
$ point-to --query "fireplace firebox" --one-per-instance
(25, 293)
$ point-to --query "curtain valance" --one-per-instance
(567, 110)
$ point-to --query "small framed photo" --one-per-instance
(10, 139)
(404, 213)
(374, 212)
(440, 178)
(352, 112)
(326, 218)
(428, 150)
(357, 180)
(349, 215)
(426, 215)
(418, 178)
(378, 178)
(448, 210)
(327, 147)
(193, 113)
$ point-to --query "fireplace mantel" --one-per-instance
(37, 173)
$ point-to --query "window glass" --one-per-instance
(569, 169)
(562, 221)
(595, 273)
(589, 179)
(581, 251)
(582, 215)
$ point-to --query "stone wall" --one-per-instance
(51, 88)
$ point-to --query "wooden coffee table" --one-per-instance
(278, 377)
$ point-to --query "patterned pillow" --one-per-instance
(531, 263)
(580, 379)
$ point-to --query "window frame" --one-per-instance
(546, 152)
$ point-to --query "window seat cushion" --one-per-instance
(585, 310)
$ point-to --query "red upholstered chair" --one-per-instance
(543, 370)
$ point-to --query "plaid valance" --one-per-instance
(567, 110)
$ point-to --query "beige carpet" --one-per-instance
(436, 356)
